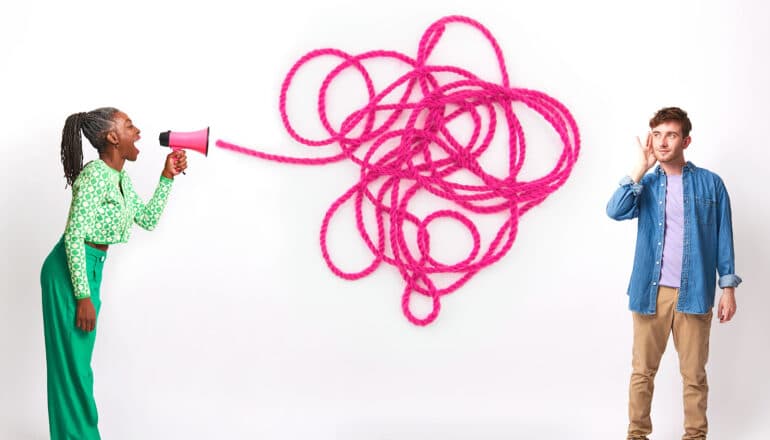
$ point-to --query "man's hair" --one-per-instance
(672, 114)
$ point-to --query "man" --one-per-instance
(684, 238)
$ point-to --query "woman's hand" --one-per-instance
(86, 315)
(176, 162)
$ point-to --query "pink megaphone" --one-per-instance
(187, 140)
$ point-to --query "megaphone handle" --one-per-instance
(175, 150)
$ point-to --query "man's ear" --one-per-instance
(686, 141)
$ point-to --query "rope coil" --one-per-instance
(417, 152)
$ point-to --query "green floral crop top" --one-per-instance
(100, 213)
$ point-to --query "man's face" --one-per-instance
(667, 142)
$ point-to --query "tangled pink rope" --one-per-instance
(410, 166)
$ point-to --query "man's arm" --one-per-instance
(624, 203)
(728, 280)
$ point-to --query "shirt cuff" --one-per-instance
(730, 280)
(165, 179)
(635, 187)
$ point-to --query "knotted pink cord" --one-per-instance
(428, 106)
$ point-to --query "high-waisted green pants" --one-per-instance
(71, 408)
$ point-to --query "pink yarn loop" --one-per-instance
(415, 152)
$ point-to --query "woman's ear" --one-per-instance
(112, 137)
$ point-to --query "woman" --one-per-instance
(104, 206)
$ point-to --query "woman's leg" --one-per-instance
(71, 407)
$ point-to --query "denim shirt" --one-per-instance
(708, 238)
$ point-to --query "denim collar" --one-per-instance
(688, 166)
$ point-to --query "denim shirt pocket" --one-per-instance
(705, 210)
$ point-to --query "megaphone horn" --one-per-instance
(188, 140)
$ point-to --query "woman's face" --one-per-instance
(126, 135)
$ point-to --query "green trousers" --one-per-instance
(72, 411)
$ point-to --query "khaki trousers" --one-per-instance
(691, 340)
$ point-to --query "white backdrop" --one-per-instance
(225, 321)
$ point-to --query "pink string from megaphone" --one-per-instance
(410, 167)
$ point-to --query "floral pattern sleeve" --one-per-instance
(147, 215)
(88, 192)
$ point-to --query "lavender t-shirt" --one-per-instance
(671, 272)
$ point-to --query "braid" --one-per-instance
(72, 148)
(95, 125)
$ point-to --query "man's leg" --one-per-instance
(650, 337)
(691, 339)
